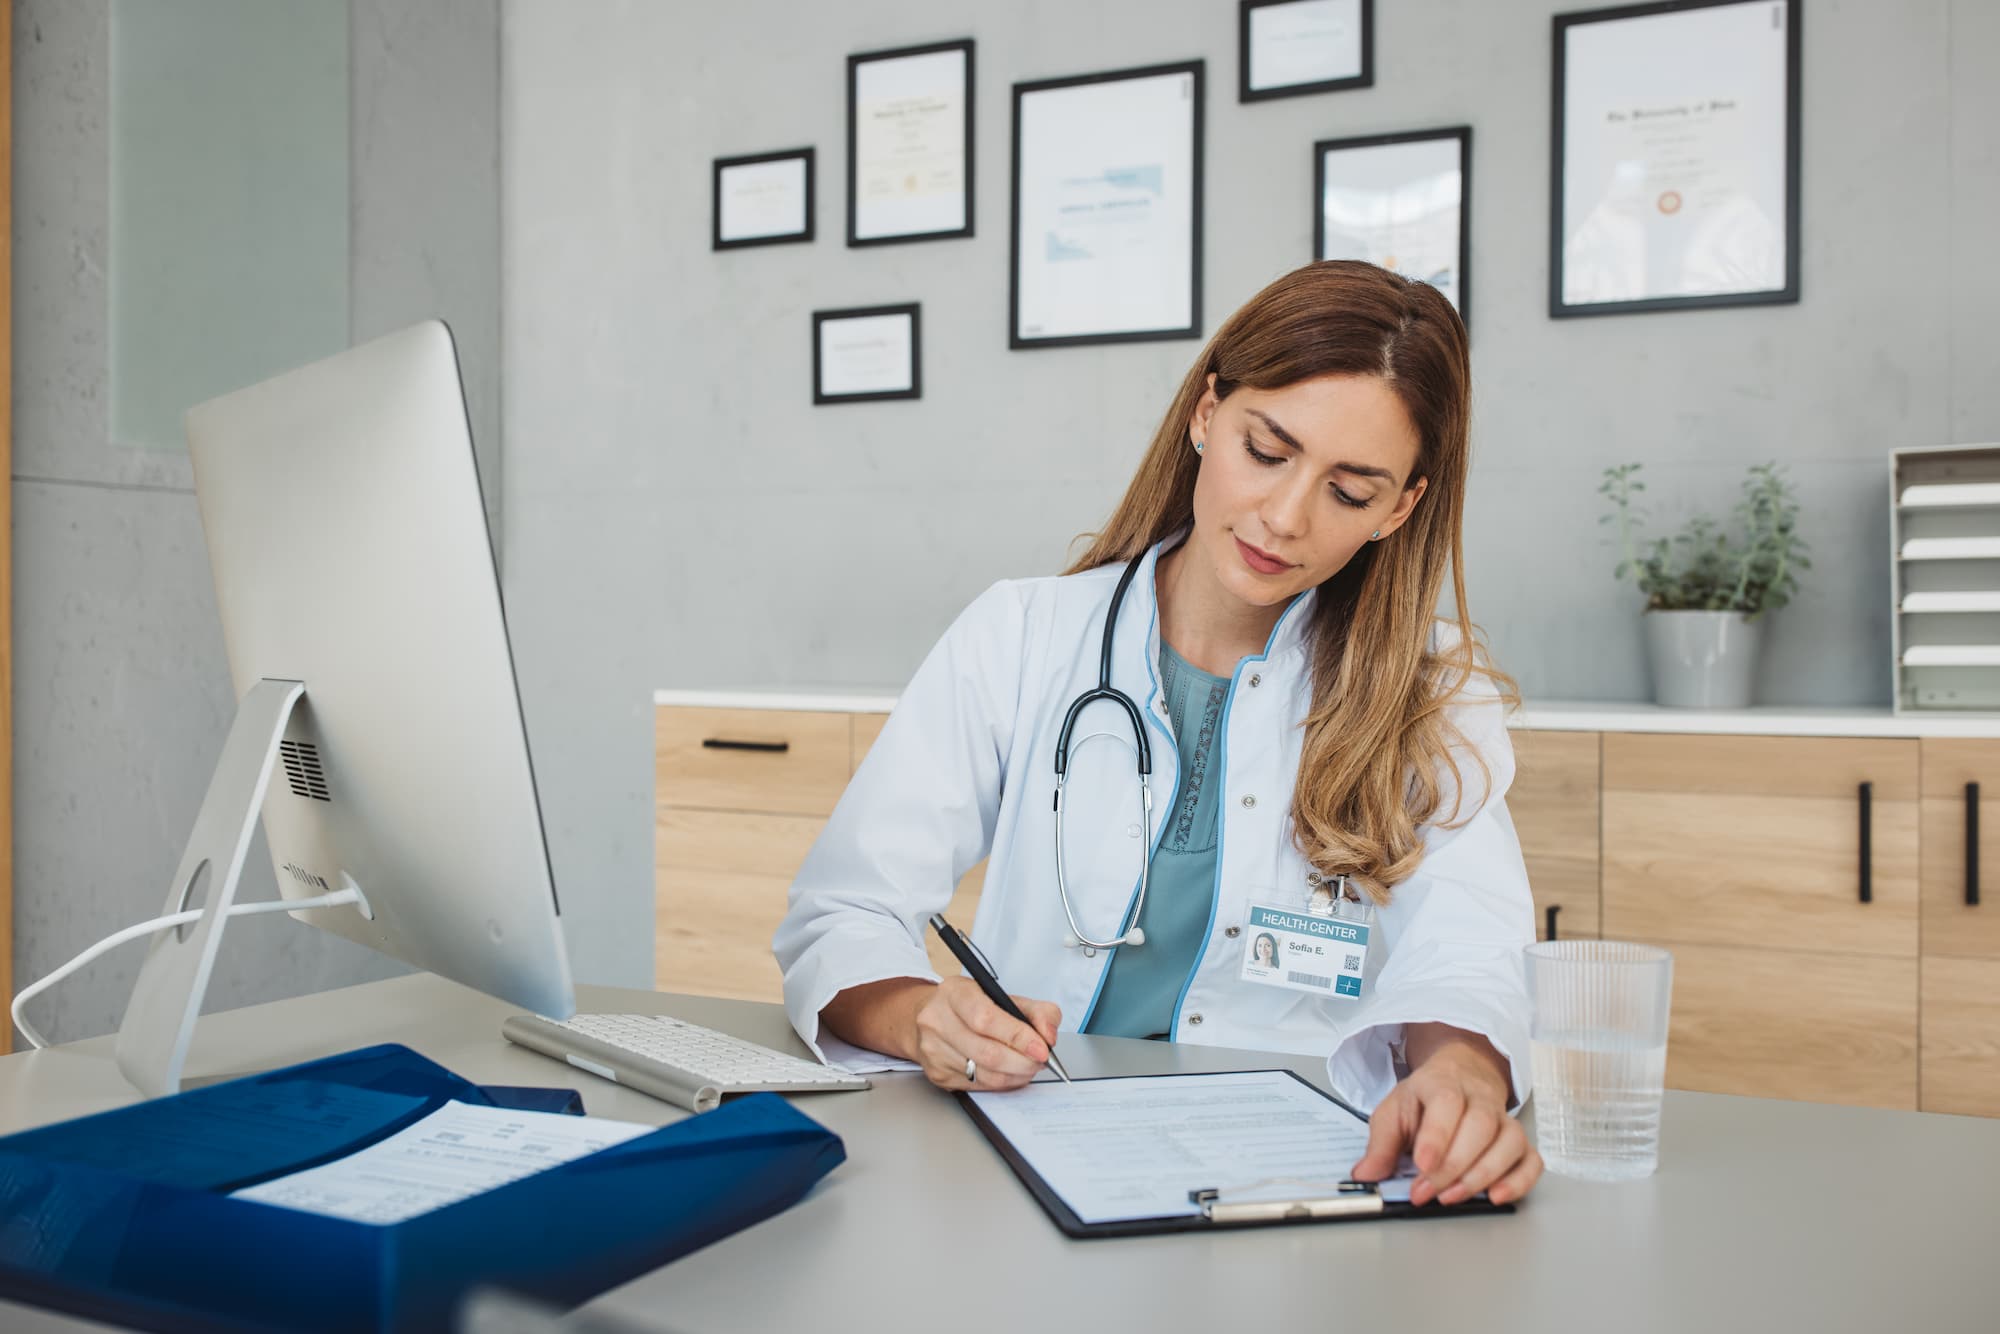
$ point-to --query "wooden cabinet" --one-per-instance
(739, 797)
(1777, 1023)
(1554, 802)
(1961, 1035)
(1728, 840)
(1782, 874)
(1961, 815)
(1961, 927)
(867, 726)
(1743, 855)
(721, 883)
(751, 759)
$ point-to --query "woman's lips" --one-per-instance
(1263, 562)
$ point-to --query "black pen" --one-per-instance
(975, 967)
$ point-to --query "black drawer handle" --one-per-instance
(1972, 845)
(1554, 908)
(1867, 844)
(762, 747)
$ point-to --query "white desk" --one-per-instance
(1767, 1216)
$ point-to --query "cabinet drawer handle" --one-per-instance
(1867, 841)
(1972, 845)
(1554, 908)
(763, 747)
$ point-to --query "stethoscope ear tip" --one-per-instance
(1135, 937)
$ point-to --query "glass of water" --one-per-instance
(1600, 1049)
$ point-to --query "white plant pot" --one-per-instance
(1702, 659)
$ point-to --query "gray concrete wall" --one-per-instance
(678, 514)
(121, 692)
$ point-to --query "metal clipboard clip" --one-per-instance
(1260, 1204)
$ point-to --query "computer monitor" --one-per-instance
(380, 730)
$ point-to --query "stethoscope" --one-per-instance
(1106, 691)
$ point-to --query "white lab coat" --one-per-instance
(965, 769)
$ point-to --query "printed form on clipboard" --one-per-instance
(1133, 1155)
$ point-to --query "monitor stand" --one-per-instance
(166, 1000)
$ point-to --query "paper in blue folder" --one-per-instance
(127, 1215)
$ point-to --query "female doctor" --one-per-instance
(1264, 597)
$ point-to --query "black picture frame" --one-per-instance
(916, 390)
(1561, 24)
(1244, 92)
(1461, 133)
(1196, 68)
(723, 164)
(854, 64)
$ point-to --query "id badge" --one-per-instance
(1304, 951)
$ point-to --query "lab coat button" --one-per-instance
(1131, 831)
(1232, 931)
(1249, 800)
(1194, 1019)
(1255, 681)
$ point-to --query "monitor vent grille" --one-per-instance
(302, 767)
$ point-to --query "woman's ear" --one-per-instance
(1404, 504)
(1204, 412)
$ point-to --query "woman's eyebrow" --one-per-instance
(1358, 469)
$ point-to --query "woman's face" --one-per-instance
(1294, 481)
(1263, 949)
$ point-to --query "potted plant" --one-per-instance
(1706, 589)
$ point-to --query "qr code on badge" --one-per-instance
(1353, 963)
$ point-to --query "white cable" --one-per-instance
(158, 924)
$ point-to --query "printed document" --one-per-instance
(456, 1152)
(1117, 1149)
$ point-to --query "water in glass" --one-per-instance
(1597, 1103)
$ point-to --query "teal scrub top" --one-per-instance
(1145, 981)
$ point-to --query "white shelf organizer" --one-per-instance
(1944, 531)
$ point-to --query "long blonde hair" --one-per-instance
(1378, 740)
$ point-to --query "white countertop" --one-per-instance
(1535, 715)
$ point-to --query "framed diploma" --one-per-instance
(909, 144)
(867, 354)
(1403, 201)
(1106, 226)
(764, 199)
(1288, 47)
(1676, 155)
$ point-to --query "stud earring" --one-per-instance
(1375, 535)
(1197, 446)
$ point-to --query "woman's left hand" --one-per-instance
(1451, 1113)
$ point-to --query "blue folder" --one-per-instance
(126, 1216)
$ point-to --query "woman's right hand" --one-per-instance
(956, 1023)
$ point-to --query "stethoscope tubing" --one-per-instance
(1107, 692)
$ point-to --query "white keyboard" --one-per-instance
(671, 1059)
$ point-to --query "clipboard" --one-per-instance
(1232, 1205)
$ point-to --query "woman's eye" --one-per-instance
(1259, 454)
(1345, 499)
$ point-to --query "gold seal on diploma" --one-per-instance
(1670, 201)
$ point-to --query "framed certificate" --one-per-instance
(1288, 47)
(1676, 154)
(1106, 226)
(763, 199)
(1403, 201)
(909, 144)
(867, 354)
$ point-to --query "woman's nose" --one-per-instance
(1285, 511)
